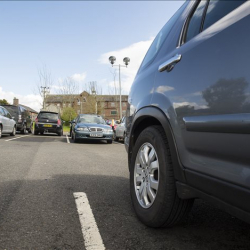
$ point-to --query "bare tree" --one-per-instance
(44, 84)
(68, 89)
(94, 100)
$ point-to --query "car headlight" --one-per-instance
(82, 129)
(108, 131)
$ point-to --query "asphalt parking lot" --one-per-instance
(40, 177)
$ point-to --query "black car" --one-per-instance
(50, 122)
(188, 118)
(22, 117)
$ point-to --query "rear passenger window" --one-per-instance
(1, 112)
(194, 26)
(218, 9)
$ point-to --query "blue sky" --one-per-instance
(74, 39)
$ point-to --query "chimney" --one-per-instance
(15, 101)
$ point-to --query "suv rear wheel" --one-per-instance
(23, 131)
(152, 182)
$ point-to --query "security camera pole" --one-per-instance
(126, 61)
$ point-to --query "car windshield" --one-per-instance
(91, 119)
(49, 116)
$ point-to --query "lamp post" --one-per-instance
(94, 93)
(45, 90)
(126, 61)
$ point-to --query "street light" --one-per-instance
(126, 61)
(94, 93)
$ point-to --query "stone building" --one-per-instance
(108, 106)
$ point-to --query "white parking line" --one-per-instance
(17, 138)
(118, 143)
(67, 139)
(91, 235)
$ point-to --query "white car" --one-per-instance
(120, 130)
(7, 123)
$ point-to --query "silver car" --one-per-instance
(7, 123)
(120, 130)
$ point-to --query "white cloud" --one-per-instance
(136, 53)
(79, 77)
(191, 104)
(31, 100)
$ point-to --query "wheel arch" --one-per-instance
(150, 116)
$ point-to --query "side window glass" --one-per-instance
(1, 112)
(160, 38)
(194, 26)
(218, 9)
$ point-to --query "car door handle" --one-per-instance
(169, 64)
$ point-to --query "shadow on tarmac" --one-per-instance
(41, 214)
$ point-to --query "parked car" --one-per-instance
(91, 127)
(50, 122)
(21, 116)
(120, 130)
(7, 123)
(188, 124)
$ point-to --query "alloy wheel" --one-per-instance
(146, 175)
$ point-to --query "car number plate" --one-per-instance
(47, 125)
(96, 135)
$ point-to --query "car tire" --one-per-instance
(23, 131)
(157, 205)
(13, 131)
(75, 140)
(109, 141)
(1, 129)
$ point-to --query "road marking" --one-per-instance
(115, 142)
(17, 138)
(67, 139)
(91, 235)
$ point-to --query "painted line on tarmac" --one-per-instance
(91, 235)
(118, 143)
(67, 139)
(17, 138)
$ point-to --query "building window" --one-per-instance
(123, 112)
(78, 102)
(69, 105)
(58, 104)
(112, 104)
(64, 105)
(124, 104)
(84, 99)
(113, 112)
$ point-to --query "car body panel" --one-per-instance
(205, 100)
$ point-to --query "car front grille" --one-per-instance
(96, 129)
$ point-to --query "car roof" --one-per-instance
(48, 112)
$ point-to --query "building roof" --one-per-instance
(29, 109)
(104, 98)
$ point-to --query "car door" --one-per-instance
(11, 121)
(204, 83)
(5, 121)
